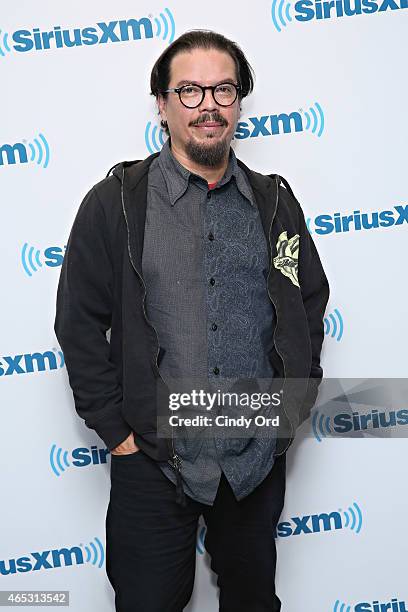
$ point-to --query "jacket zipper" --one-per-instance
(276, 311)
(175, 461)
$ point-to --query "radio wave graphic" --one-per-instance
(166, 24)
(40, 153)
(58, 460)
(30, 258)
(155, 138)
(280, 13)
(308, 225)
(341, 607)
(333, 325)
(315, 120)
(95, 554)
(321, 425)
(200, 540)
(4, 44)
(353, 517)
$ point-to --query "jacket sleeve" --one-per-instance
(315, 292)
(83, 316)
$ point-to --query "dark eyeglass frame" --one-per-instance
(203, 88)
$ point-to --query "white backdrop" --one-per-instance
(67, 115)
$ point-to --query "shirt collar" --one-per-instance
(177, 177)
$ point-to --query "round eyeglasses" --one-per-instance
(191, 96)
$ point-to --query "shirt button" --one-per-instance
(208, 195)
(212, 281)
(216, 370)
(210, 236)
(214, 326)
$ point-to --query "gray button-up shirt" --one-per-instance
(205, 264)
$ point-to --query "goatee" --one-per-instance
(207, 155)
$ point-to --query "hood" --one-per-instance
(133, 170)
(117, 169)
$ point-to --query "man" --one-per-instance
(202, 268)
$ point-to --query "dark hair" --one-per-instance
(200, 39)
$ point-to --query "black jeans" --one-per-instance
(151, 540)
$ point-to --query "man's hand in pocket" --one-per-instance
(127, 447)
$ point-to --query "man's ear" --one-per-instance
(162, 104)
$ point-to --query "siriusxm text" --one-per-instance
(98, 34)
(28, 363)
(343, 423)
(307, 10)
(327, 224)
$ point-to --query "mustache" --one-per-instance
(216, 117)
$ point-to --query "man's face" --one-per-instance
(204, 133)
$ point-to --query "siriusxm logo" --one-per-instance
(315, 523)
(80, 457)
(338, 223)
(37, 152)
(32, 259)
(58, 557)
(283, 12)
(342, 423)
(393, 605)
(100, 33)
(351, 518)
(31, 362)
(272, 125)
(333, 325)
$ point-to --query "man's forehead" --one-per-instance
(201, 65)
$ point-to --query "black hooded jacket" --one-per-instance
(115, 381)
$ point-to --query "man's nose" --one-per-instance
(208, 102)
